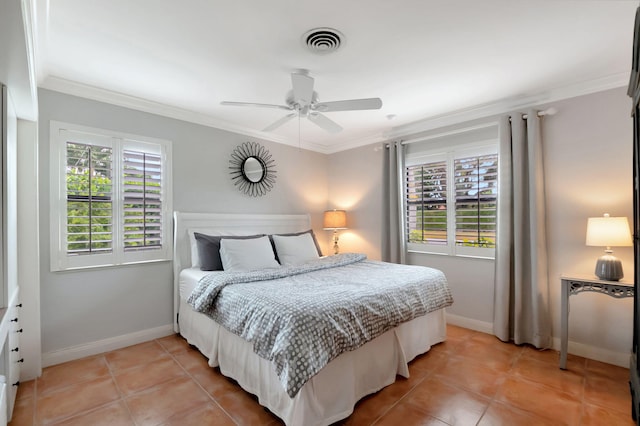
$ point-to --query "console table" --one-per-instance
(575, 285)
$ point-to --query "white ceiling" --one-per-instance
(426, 59)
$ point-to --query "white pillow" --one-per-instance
(294, 250)
(193, 243)
(247, 255)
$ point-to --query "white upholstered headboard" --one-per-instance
(223, 224)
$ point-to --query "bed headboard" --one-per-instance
(223, 224)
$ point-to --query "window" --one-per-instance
(89, 198)
(451, 200)
(111, 198)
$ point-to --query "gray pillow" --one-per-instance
(293, 234)
(209, 249)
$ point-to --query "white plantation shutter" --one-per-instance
(111, 200)
(89, 224)
(142, 205)
(451, 200)
(476, 186)
(427, 202)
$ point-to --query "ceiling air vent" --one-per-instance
(323, 40)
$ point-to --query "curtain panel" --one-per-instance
(521, 311)
(393, 242)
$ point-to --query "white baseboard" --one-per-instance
(105, 345)
(470, 323)
(80, 351)
(621, 359)
(580, 349)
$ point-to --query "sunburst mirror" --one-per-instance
(252, 169)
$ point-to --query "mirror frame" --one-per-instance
(239, 157)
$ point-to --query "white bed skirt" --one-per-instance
(332, 393)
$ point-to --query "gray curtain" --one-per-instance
(521, 311)
(393, 242)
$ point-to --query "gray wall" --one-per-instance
(588, 165)
(588, 172)
(587, 153)
(79, 307)
(355, 185)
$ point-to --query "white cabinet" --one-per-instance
(3, 402)
(19, 100)
(15, 359)
(10, 355)
(10, 330)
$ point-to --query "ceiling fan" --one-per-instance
(302, 101)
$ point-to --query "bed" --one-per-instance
(331, 393)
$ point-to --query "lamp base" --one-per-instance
(609, 268)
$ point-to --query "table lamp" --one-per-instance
(608, 232)
(334, 220)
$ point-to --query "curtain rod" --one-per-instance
(450, 132)
(548, 111)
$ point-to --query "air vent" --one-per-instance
(323, 40)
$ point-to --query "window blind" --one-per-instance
(89, 199)
(142, 205)
(476, 189)
(427, 202)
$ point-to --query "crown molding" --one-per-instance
(489, 110)
(375, 137)
(74, 88)
(455, 117)
(507, 105)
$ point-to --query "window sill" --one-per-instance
(430, 253)
(108, 266)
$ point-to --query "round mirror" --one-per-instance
(252, 169)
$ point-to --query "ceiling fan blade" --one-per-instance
(324, 122)
(302, 88)
(251, 104)
(349, 105)
(279, 122)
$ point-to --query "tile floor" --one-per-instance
(471, 379)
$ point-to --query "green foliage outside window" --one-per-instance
(89, 200)
(89, 203)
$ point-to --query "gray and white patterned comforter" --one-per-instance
(304, 316)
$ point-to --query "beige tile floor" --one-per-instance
(471, 379)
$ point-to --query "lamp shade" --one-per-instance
(335, 219)
(608, 232)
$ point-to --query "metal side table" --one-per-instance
(575, 285)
